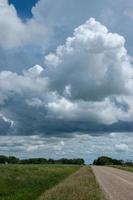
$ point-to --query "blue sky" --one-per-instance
(23, 7)
(66, 75)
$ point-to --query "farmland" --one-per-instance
(24, 182)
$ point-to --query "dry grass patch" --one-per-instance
(80, 186)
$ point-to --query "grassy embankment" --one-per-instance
(81, 185)
(126, 168)
(24, 182)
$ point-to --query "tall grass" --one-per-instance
(80, 186)
(27, 182)
(125, 167)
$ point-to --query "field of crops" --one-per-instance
(24, 182)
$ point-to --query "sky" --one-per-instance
(66, 78)
(23, 7)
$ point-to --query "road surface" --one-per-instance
(116, 183)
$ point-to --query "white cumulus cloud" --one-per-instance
(14, 32)
(90, 63)
(121, 147)
(93, 73)
(88, 79)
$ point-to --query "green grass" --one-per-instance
(126, 168)
(28, 182)
(81, 185)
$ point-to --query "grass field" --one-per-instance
(127, 168)
(81, 185)
(28, 182)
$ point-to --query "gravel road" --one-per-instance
(117, 184)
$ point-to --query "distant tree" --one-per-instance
(129, 163)
(78, 161)
(104, 160)
(3, 159)
(51, 161)
(34, 161)
(117, 162)
(13, 160)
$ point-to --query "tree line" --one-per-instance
(14, 160)
(104, 160)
